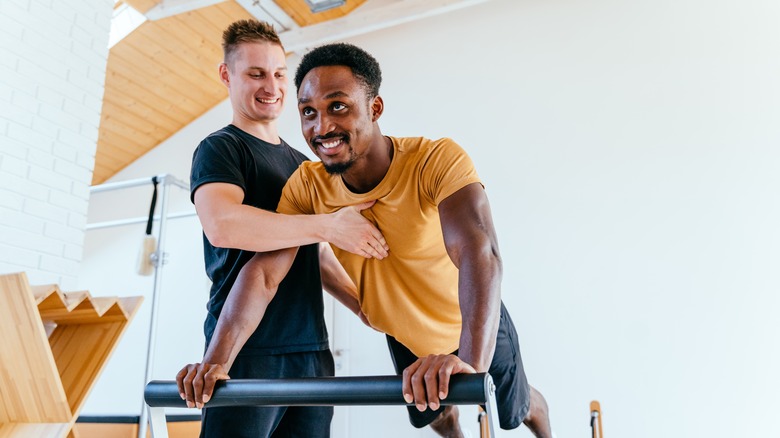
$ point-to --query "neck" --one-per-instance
(265, 131)
(369, 170)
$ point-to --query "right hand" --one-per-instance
(196, 382)
(354, 233)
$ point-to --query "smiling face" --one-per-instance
(256, 77)
(337, 117)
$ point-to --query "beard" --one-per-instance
(340, 168)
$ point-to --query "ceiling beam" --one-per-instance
(270, 12)
(363, 21)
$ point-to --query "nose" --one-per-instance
(322, 124)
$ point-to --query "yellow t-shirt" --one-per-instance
(412, 294)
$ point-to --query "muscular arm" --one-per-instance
(473, 247)
(230, 224)
(244, 308)
(336, 282)
(471, 243)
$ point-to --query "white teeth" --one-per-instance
(268, 100)
(330, 144)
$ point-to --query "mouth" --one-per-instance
(330, 145)
(267, 101)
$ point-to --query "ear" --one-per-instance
(377, 107)
(224, 75)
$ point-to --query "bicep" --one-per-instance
(467, 222)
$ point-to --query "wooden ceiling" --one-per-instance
(163, 75)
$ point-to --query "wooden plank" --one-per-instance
(162, 52)
(151, 89)
(117, 83)
(195, 53)
(139, 109)
(114, 155)
(31, 388)
(25, 430)
(146, 131)
(154, 76)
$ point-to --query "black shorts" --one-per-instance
(273, 421)
(512, 391)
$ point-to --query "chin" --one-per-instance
(338, 168)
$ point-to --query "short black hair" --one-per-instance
(362, 64)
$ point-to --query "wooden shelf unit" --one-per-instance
(53, 346)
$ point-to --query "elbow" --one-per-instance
(484, 252)
(218, 234)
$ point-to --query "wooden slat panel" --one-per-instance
(143, 69)
(166, 55)
(31, 388)
(128, 72)
(117, 83)
(141, 109)
(147, 129)
(300, 12)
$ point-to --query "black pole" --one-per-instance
(321, 391)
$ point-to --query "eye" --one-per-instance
(256, 75)
(338, 106)
(280, 75)
(307, 111)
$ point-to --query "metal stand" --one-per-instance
(465, 389)
(157, 258)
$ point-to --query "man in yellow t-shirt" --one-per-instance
(437, 295)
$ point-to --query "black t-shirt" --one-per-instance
(294, 320)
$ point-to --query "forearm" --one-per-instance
(253, 229)
(479, 289)
(246, 304)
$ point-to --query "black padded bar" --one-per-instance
(321, 391)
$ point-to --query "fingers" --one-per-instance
(426, 382)
(196, 383)
(210, 379)
(406, 386)
(354, 233)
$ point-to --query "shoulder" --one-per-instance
(425, 146)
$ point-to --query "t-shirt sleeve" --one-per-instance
(296, 195)
(447, 169)
(216, 160)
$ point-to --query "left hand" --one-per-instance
(426, 382)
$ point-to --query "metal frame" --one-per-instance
(157, 258)
(465, 389)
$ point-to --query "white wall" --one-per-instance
(52, 69)
(630, 152)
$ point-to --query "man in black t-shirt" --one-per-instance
(237, 177)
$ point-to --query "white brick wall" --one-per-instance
(52, 65)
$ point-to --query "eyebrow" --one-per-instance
(329, 96)
(263, 68)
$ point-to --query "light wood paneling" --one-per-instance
(163, 75)
(160, 78)
(31, 391)
(45, 380)
(300, 12)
